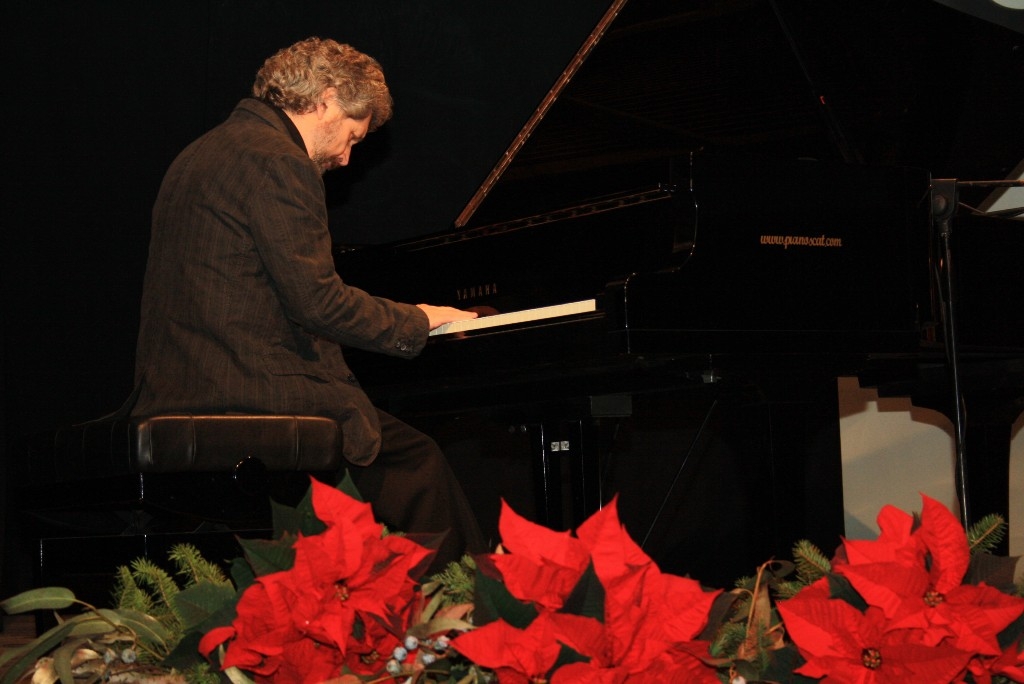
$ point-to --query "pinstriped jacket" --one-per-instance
(242, 310)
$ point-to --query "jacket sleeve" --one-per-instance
(289, 227)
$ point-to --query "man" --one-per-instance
(242, 310)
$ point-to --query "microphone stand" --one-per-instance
(944, 202)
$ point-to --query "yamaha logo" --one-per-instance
(476, 291)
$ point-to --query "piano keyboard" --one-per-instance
(524, 316)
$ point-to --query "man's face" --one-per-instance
(335, 135)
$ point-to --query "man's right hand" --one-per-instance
(439, 315)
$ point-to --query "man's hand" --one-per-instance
(439, 315)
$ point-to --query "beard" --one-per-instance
(322, 141)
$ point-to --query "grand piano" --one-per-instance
(665, 306)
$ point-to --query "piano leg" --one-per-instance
(714, 484)
(568, 475)
(562, 480)
(806, 452)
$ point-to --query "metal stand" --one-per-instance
(944, 202)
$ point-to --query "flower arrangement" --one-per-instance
(335, 597)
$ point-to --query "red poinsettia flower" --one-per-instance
(681, 661)
(334, 591)
(677, 606)
(844, 645)
(542, 565)
(303, 620)
(367, 655)
(920, 586)
(516, 655)
(264, 640)
(650, 619)
(1009, 664)
(895, 542)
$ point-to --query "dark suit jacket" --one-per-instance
(242, 310)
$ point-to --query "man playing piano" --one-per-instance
(242, 310)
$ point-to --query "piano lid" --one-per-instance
(892, 82)
(655, 81)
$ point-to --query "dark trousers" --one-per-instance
(412, 488)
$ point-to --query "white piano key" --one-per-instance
(524, 316)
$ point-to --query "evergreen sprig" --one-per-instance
(728, 639)
(147, 588)
(128, 594)
(811, 563)
(458, 580)
(986, 534)
(193, 568)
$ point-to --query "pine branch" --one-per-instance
(811, 563)
(458, 581)
(786, 590)
(728, 639)
(128, 594)
(162, 588)
(986, 534)
(194, 568)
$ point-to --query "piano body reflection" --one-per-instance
(665, 319)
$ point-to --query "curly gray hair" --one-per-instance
(295, 78)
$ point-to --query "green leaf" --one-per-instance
(567, 656)
(587, 597)
(266, 556)
(89, 625)
(45, 598)
(20, 659)
(287, 520)
(1011, 633)
(147, 627)
(186, 654)
(432, 605)
(242, 574)
(197, 603)
(62, 660)
(840, 588)
(301, 518)
(494, 601)
(348, 486)
(780, 666)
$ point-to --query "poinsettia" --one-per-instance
(919, 583)
(675, 608)
(350, 587)
(1009, 664)
(543, 566)
(651, 619)
(644, 627)
(517, 656)
(844, 645)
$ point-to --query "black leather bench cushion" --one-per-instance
(164, 444)
(185, 443)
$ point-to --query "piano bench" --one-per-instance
(139, 483)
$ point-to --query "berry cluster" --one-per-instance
(415, 653)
